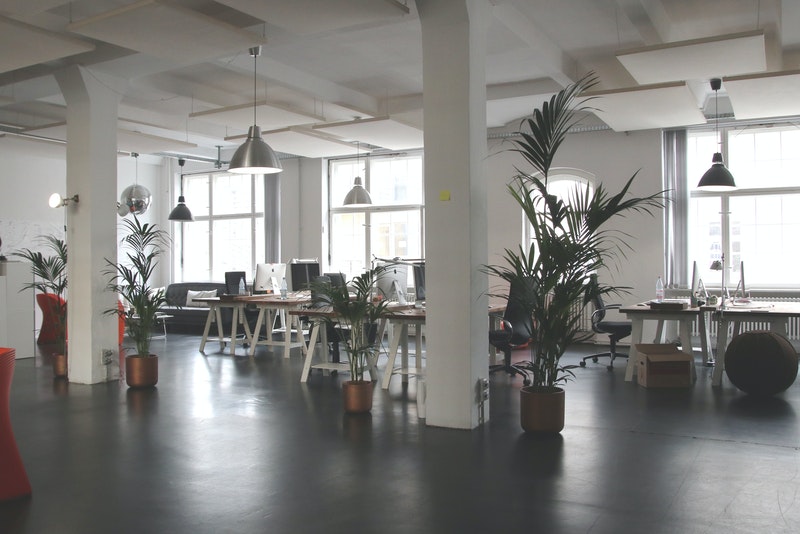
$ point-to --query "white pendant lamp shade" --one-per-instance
(254, 156)
(357, 195)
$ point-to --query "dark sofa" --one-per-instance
(191, 319)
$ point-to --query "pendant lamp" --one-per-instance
(717, 178)
(181, 212)
(357, 196)
(134, 198)
(254, 156)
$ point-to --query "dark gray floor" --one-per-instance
(232, 445)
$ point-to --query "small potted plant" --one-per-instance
(143, 244)
(50, 279)
(356, 311)
(570, 244)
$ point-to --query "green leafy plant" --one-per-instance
(143, 244)
(356, 310)
(570, 240)
(50, 276)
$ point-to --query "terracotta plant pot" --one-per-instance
(541, 409)
(60, 365)
(357, 396)
(141, 371)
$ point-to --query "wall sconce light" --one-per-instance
(57, 201)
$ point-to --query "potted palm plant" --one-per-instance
(570, 244)
(143, 243)
(356, 310)
(50, 279)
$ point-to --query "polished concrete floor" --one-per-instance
(233, 445)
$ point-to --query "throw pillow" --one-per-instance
(191, 295)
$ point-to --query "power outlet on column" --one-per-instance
(108, 356)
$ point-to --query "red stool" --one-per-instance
(51, 306)
(13, 479)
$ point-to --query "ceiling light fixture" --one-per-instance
(254, 156)
(358, 196)
(134, 198)
(717, 178)
(181, 212)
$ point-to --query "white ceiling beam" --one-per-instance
(554, 61)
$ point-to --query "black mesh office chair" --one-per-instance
(615, 330)
(334, 334)
(516, 331)
(232, 288)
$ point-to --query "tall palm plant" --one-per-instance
(143, 243)
(570, 241)
(50, 277)
(356, 311)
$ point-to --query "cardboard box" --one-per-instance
(663, 366)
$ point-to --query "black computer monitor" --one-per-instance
(419, 280)
(232, 282)
(303, 273)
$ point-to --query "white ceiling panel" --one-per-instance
(380, 131)
(127, 140)
(302, 142)
(29, 7)
(166, 30)
(268, 116)
(644, 108)
(765, 95)
(32, 45)
(328, 15)
(698, 59)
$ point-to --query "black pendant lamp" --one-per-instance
(181, 212)
(717, 178)
(254, 156)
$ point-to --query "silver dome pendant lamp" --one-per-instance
(254, 156)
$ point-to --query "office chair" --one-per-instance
(615, 330)
(516, 332)
(334, 333)
(232, 288)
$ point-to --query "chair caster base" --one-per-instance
(583, 363)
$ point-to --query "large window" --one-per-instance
(228, 232)
(392, 226)
(564, 183)
(758, 222)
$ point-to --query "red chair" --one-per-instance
(51, 306)
(14, 481)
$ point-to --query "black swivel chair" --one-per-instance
(616, 330)
(232, 288)
(335, 334)
(516, 332)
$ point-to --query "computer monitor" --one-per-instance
(419, 280)
(337, 279)
(741, 290)
(268, 277)
(393, 281)
(303, 272)
(232, 282)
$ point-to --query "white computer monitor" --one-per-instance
(695, 285)
(268, 277)
(741, 289)
(393, 281)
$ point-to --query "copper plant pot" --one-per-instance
(60, 365)
(541, 409)
(141, 371)
(357, 396)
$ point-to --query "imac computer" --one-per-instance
(393, 282)
(268, 278)
(741, 289)
(303, 272)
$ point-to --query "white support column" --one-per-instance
(92, 222)
(454, 100)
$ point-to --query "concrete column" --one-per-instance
(92, 104)
(454, 100)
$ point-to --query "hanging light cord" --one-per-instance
(255, 83)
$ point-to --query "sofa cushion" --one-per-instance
(192, 295)
(176, 293)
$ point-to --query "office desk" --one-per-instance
(638, 313)
(776, 314)
(215, 305)
(400, 319)
(271, 305)
(318, 317)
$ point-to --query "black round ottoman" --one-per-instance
(761, 362)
